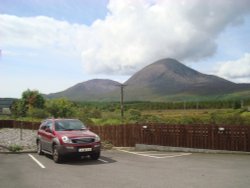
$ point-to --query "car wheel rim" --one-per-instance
(55, 154)
(38, 148)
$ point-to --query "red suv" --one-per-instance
(59, 137)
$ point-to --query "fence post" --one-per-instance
(21, 131)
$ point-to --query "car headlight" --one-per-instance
(65, 139)
(97, 138)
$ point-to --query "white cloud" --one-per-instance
(238, 70)
(136, 33)
(133, 34)
(38, 33)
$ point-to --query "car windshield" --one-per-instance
(69, 125)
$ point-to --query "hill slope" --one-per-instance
(87, 91)
(166, 79)
(169, 77)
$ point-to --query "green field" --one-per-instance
(191, 116)
(226, 112)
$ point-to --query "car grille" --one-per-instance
(83, 140)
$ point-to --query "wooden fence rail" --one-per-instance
(234, 138)
(19, 124)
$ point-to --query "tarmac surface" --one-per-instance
(127, 169)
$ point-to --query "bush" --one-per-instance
(231, 117)
(37, 113)
(95, 114)
(60, 108)
(134, 115)
(151, 119)
(15, 148)
(107, 121)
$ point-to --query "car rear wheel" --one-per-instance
(95, 156)
(39, 148)
(57, 157)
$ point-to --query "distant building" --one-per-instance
(5, 105)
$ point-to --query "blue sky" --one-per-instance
(50, 45)
(76, 11)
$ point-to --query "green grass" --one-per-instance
(109, 121)
(15, 148)
(181, 116)
(201, 116)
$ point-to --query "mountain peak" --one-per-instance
(160, 80)
(168, 68)
(174, 66)
(168, 76)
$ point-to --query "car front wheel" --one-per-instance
(39, 148)
(57, 157)
(95, 156)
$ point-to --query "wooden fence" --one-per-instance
(19, 124)
(234, 138)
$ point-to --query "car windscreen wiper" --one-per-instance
(81, 129)
(69, 129)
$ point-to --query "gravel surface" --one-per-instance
(14, 138)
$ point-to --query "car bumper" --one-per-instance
(79, 149)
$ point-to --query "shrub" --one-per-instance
(15, 148)
(134, 115)
(37, 113)
(60, 108)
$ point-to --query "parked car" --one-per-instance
(60, 137)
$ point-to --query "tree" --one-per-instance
(84, 115)
(60, 107)
(33, 99)
(18, 108)
(30, 100)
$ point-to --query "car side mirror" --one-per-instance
(48, 130)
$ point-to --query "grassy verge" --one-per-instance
(189, 116)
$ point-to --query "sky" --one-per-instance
(51, 45)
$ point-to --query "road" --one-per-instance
(119, 169)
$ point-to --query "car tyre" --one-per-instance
(39, 148)
(95, 156)
(57, 157)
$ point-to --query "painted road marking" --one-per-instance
(102, 160)
(155, 155)
(38, 162)
(147, 152)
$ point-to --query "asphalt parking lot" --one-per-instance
(127, 169)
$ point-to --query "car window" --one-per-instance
(63, 125)
(49, 125)
(43, 126)
(46, 124)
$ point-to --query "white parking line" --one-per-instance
(102, 160)
(147, 152)
(179, 155)
(153, 155)
(38, 162)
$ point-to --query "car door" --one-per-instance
(48, 137)
(42, 134)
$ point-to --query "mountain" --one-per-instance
(87, 91)
(166, 79)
